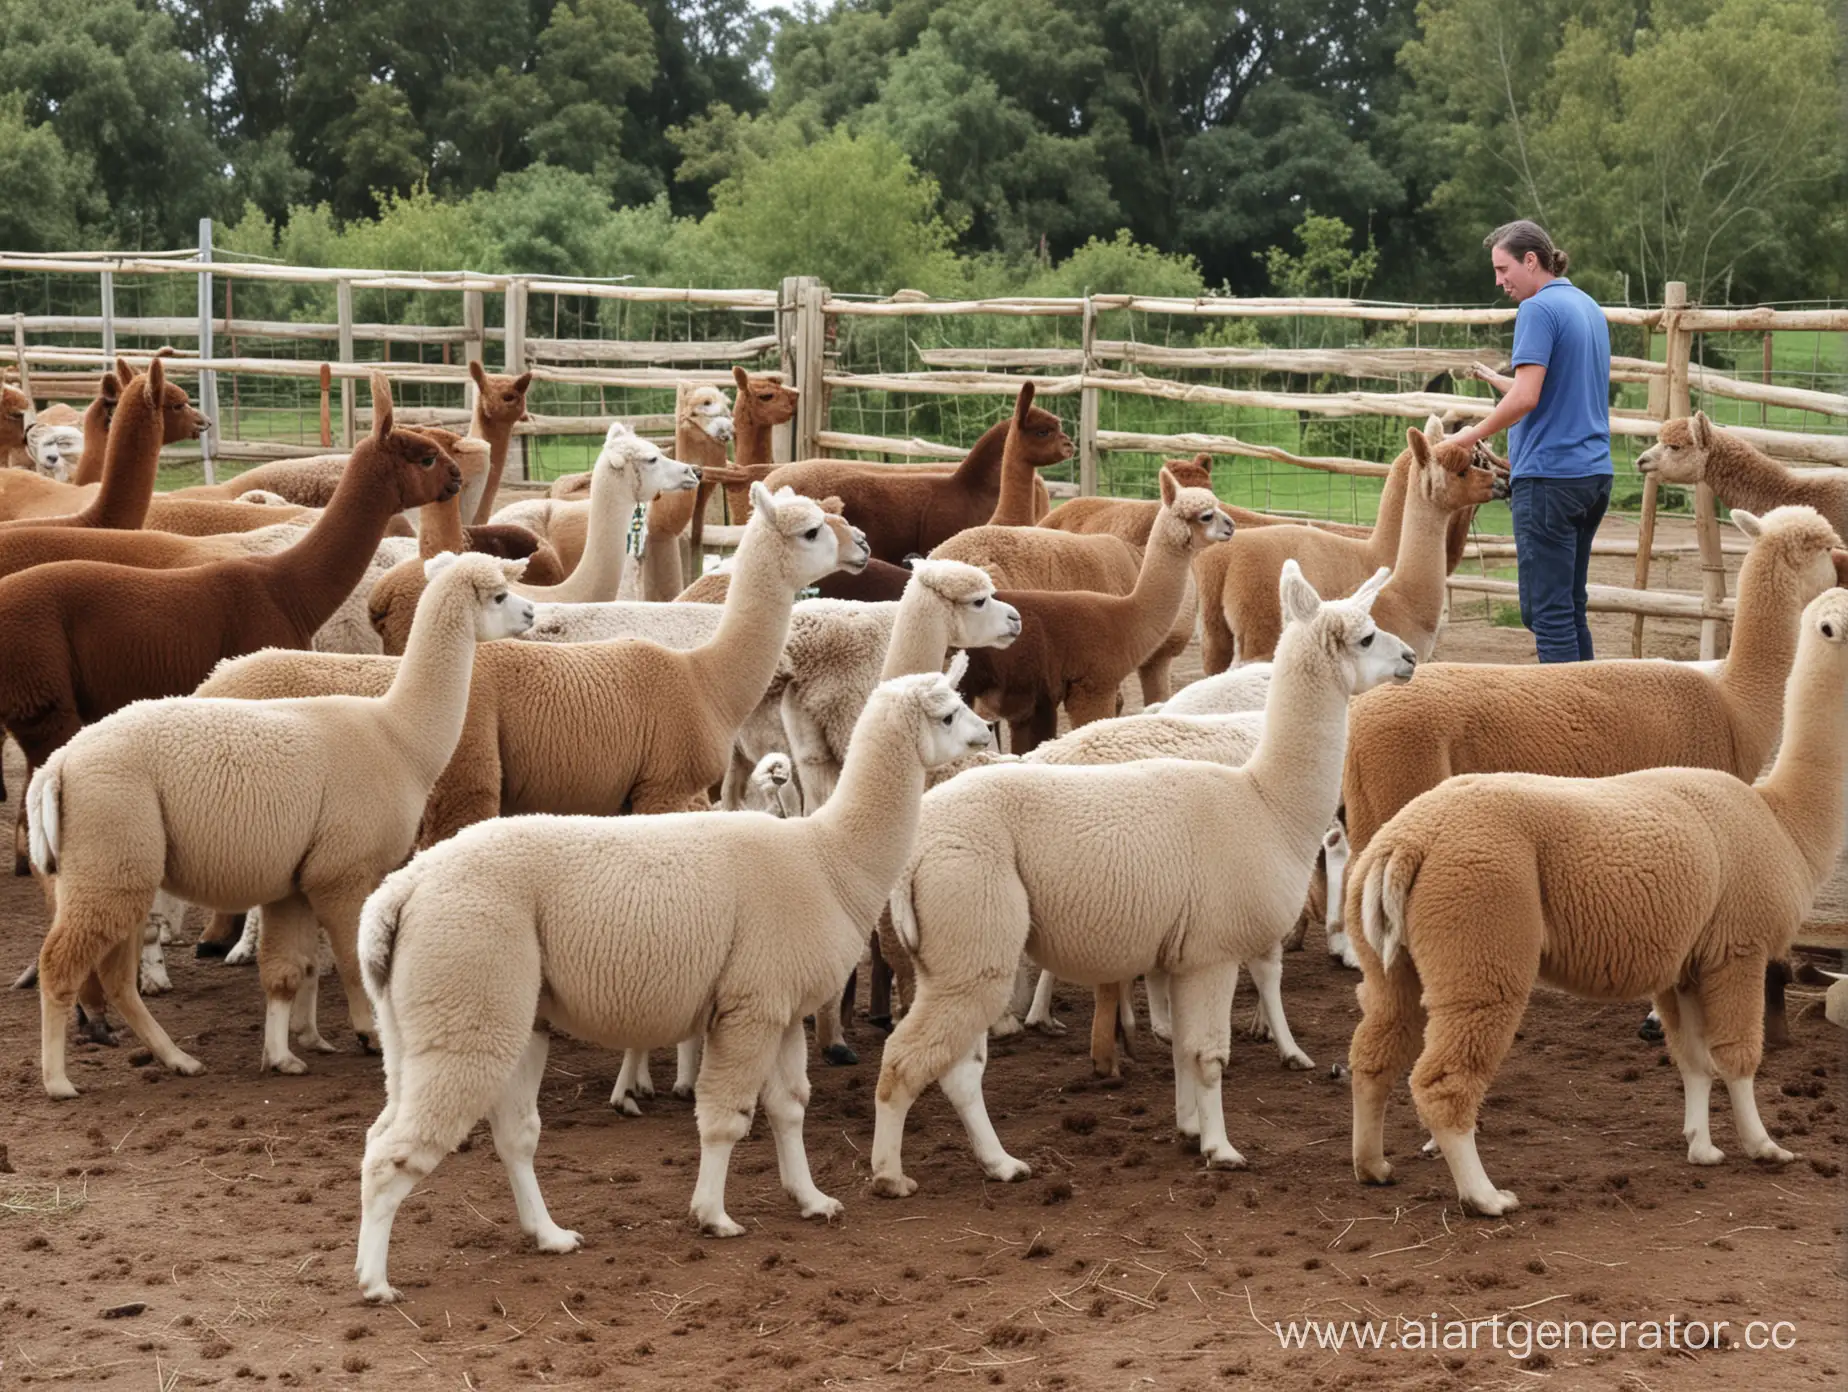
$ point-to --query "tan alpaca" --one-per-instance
(1693, 450)
(500, 405)
(1672, 884)
(702, 426)
(299, 806)
(1100, 873)
(632, 933)
(1129, 519)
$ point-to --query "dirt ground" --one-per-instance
(191, 1232)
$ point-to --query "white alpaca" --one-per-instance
(1104, 872)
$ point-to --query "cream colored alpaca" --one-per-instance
(1692, 450)
(1675, 884)
(632, 933)
(773, 787)
(298, 806)
(1241, 688)
(1101, 873)
(702, 426)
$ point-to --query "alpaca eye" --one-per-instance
(950, 717)
(501, 596)
(1828, 630)
(1367, 642)
(811, 533)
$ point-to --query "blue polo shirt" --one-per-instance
(1568, 435)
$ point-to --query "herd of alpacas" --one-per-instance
(347, 704)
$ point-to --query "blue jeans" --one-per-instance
(1554, 523)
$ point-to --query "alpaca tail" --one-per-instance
(905, 911)
(378, 933)
(1390, 875)
(43, 802)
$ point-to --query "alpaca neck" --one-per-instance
(499, 435)
(979, 469)
(667, 514)
(751, 440)
(1417, 584)
(1297, 765)
(439, 528)
(1014, 504)
(95, 443)
(920, 634)
(597, 576)
(131, 459)
(734, 667)
(1161, 585)
(1748, 478)
(1386, 526)
(866, 831)
(1757, 667)
(1805, 789)
(313, 577)
(428, 697)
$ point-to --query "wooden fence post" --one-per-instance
(108, 296)
(1087, 407)
(474, 337)
(343, 301)
(515, 362)
(327, 425)
(19, 352)
(1674, 297)
(782, 436)
(208, 379)
(811, 334)
(1715, 634)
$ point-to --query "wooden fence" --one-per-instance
(802, 349)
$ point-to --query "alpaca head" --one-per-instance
(1191, 518)
(500, 403)
(804, 542)
(640, 464)
(1451, 477)
(409, 464)
(706, 410)
(1192, 473)
(55, 449)
(1338, 636)
(499, 612)
(772, 771)
(1035, 435)
(855, 552)
(947, 729)
(977, 618)
(164, 401)
(13, 407)
(762, 401)
(1792, 541)
(1680, 452)
(1821, 668)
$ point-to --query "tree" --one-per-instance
(1327, 265)
(48, 196)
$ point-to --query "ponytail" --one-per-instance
(1519, 238)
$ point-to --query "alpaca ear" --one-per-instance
(741, 377)
(478, 372)
(1420, 445)
(1168, 488)
(959, 665)
(157, 382)
(522, 382)
(616, 432)
(1434, 428)
(1369, 591)
(1702, 428)
(1023, 403)
(513, 569)
(439, 563)
(833, 504)
(1297, 596)
(124, 373)
(1748, 522)
(1203, 460)
(763, 501)
(381, 407)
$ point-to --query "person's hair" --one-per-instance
(1519, 238)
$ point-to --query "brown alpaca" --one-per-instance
(1075, 647)
(500, 404)
(1131, 518)
(14, 404)
(84, 638)
(151, 412)
(1694, 450)
(1238, 583)
(758, 406)
(910, 512)
(702, 425)
(440, 528)
(712, 587)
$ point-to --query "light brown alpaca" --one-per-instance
(702, 425)
(1130, 518)
(96, 418)
(1693, 450)
(500, 404)
(1673, 884)
(14, 404)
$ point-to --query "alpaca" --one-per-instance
(1692, 449)
(96, 420)
(440, 527)
(1130, 519)
(629, 471)
(633, 933)
(500, 404)
(85, 638)
(912, 511)
(307, 482)
(1490, 882)
(232, 804)
(151, 412)
(1077, 647)
(1240, 688)
(773, 787)
(15, 405)
(1103, 872)
(56, 446)
(702, 426)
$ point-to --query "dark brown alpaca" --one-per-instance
(151, 412)
(13, 407)
(96, 418)
(84, 638)
(500, 404)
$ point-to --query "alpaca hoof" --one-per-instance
(558, 1240)
(240, 952)
(684, 1091)
(894, 1186)
(1373, 1171)
(1225, 1159)
(1006, 1027)
(382, 1294)
(1046, 1025)
(882, 1023)
(1299, 1061)
(721, 1226)
(1491, 1205)
(61, 1091)
(202, 948)
(311, 1039)
(1430, 1147)
(154, 979)
(1651, 1031)
(821, 1206)
(1161, 1032)
(95, 1029)
(1110, 1071)
(367, 1044)
(625, 1104)
(1771, 1153)
(644, 1087)
(1008, 1170)
(839, 1056)
(288, 1063)
(1259, 1028)
(189, 1067)
(1704, 1153)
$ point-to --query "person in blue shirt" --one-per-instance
(1556, 410)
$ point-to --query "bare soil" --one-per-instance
(215, 1217)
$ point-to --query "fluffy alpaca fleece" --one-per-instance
(1078, 647)
(1129, 519)
(911, 511)
(634, 933)
(308, 482)
(702, 426)
(1675, 884)
(500, 405)
(233, 804)
(1692, 449)
(856, 555)
(629, 471)
(1101, 873)
(56, 446)
(772, 787)
(1241, 688)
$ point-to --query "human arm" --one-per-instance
(1520, 397)
(1479, 373)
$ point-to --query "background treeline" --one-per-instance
(957, 146)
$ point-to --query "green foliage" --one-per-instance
(48, 196)
(1327, 265)
(1121, 266)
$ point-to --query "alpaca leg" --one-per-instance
(90, 930)
(1105, 1002)
(1216, 649)
(1039, 1014)
(514, 1121)
(1475, 1190)
(245, 949)
(1732, 1000)
(740, 1053)
(962, 1084)
(224, 935)
(834, 1049)
(162, 926)
(687, 1055)
(1157, 677)
(1384, 1046)
(879, 989)
(941, 1027)
(632, 1081)
(1465, 1043)
(904, 976)
(337, 908)
(22, 840)
(1161, 1019)
(118, 972)
(92, 1011)
(737, 781)
(786, 1095)
(1019, 1001)
(1203, 1040)
(1267, 976)
(305, 1012)
(1684, 1032)
(285, 960)
(1126, 1010)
